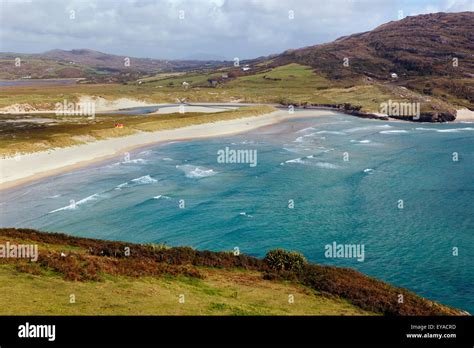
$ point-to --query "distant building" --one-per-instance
(225, 76)
(246, 67)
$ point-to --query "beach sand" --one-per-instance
(464, 115)
(29, 167)
(192, 108)
(104, 105)
(100, 105)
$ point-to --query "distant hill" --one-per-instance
(414, 46)
(98, 59)
(426, 59)
(90, 64)
(206, 57)
(422, 50)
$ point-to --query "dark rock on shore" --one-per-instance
(429, 117)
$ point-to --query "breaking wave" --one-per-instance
(368, 128)
(450, 130)
(161, 197)
(132, 161)
(365, 141)
(327, 165)
(74, 205)
(195, 172)
(395, 131)
(306, 129)
(143, 180)
(295, 160)
(331, 132)
(243, 213)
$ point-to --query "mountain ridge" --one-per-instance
(451, 33)
(426, 59)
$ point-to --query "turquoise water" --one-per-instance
(236, 205)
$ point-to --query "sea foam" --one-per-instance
(161, 197)
(194, 172)
(143, 180)
(368, 128)
(331, 132)
(74, 205)
(395, 131)
(449, 130)
(327, 165)
(296, 160)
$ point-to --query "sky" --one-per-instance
(193, 29)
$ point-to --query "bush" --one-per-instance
(282, 260)
(283, 100)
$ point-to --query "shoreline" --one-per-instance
(16, 171)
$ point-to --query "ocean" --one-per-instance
(403, 191)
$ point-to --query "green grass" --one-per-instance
(148, 281)
(287, 76)
(298, 84)
(194, 79)
(161, 76)
(368, 96)
(222, 292)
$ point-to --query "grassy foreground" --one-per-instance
(157, 280)
(222, 292)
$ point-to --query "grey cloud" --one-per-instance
(228, 28)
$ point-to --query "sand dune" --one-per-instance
(28, 167)
(464, 115)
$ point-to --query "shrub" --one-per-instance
(283, 100)
(282, 260)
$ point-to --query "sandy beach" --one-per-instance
(100, 105)
(192, 108)
(29, 167)
(104, 105)
(464, 115)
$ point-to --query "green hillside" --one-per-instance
(79, 276)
